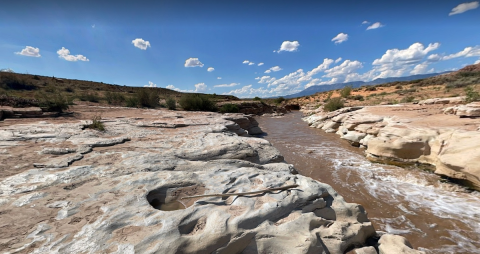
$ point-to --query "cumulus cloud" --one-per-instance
(172, 87)
(29, 51)
(365, 22)
(344, 71)
(200, 88)
(7, 70)
(193, 62)
(338, 60)
(322, 67)
(477, 62)
(65, 54)
(246, 62)
(228, 85)
(251, 63)
(274, 69)
(265, 79)
(461, 8)
(341, 37)
(289, 46)
(374, 26)
(248, 91)
(260, 64)
(412, 54)
(141, 43)
(151, 84)
(467, 52)
(219, 77)
(210, 69)
(434, 58)
(421, 68)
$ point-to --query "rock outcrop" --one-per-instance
(394, 139)
(468, 110)
(256, 107)
(65, 188)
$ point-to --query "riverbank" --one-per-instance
(67, 187)
(436, 135)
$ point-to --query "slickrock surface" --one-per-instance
(65, 188)
(411, 133)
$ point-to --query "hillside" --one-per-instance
(355, 84)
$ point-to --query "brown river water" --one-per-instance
(435, 216)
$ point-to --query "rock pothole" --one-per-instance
(168, 198)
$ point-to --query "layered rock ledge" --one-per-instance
(65, 188)
(412, 134)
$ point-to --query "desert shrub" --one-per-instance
(257, 98)
(280, 100)
(96, 123)
(89, 96)
(54, 103)
(346, 91)
(132, 102)
(171, 103)
(398, 87)
(370, 88)
(471, 95)
(329, 95)
(197, 102)
(358, 97)
(411, 90)
(69, 90)
(147, 98)
(114, 98)
(333, 104)
(14, 82)
(383, 93)
(408, 99)
(17, 102)
(229, 108)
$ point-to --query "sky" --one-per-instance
(245, 48)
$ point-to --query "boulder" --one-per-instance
(394, 244)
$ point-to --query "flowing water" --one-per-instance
(434, 216)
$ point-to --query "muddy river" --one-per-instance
(434, 216)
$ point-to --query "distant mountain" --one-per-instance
(316, 89)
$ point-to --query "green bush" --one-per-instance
(148, 98)
(346, 91)
(257, 98)
(53, 103)
(197, 102)
(408, 99)
(279, 100)
(89, 96)
(229, 108)
(333, 104)
(171, 103)
(114, 98)
(471, 94)
(132, 102)
(370, 88)
(96, 123)
(358, 97)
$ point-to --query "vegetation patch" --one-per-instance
(197, 102)
(171, 103)
(346, 91)
(471, 94)
(229, 108)
(333, 104)
(53, 103)
(96, 123)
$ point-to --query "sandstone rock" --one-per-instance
(366, 250)
(123, 193)
(450, 100)
(394, 244)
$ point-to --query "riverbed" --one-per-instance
(435, 216)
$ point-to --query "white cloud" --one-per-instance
(200, 88)
(246, 62)
(421, 69)
(274, 69)
(29, 51)
(193, 62)
(265, 79)
(260, 64)
(434, 58)
(461, 8)
(322, 67)
(172, 87)
(341, 37)
(477, 62)
(7, 70)
(141, 43)
(248, 91)
(374, 26)
(412, 54)
(150, 84)
(210, 69)
(345, 71)
(289, 46)
(65, 54)
(313, 82)
(219, 77)
(467, 52)
(338, 60)
(251, 63)
(365, 22)
(227, 85)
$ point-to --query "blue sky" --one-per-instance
(244, 48)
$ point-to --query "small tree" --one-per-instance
(471, 95)
(346, 91)
(333, 104)
(171, 103)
